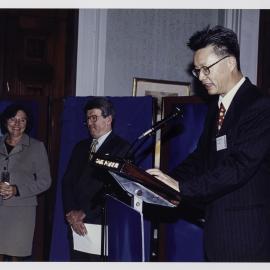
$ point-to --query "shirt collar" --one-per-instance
(227, 99)
(25, 140)
(102, 139)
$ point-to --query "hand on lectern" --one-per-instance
(164, 178)
(75, 220)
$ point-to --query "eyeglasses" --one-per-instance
(93, 118)
(206, 70)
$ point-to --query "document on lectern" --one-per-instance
(91, 242)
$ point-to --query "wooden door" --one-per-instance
(38, 50)
(36, 46)
(263, 78)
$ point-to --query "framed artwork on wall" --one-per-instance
(159, 89)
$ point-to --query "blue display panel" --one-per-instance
(133, 117)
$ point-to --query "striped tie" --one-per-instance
(221, 114)
(92, 149)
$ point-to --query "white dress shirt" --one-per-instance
(227, 99)
(102, 139)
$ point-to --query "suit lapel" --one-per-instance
(212, 133)
(18, 148)
(3, 150)
(25, 140)
(239, 102)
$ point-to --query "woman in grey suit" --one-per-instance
(25, 173)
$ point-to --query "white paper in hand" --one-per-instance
(91, 242)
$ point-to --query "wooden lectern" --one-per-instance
(137, 182)
(142, 187)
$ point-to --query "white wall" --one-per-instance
(245, 23)
(150, 44)
(116, 45)
(91, 52)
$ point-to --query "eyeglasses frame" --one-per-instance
(95, 118)
(206, 69)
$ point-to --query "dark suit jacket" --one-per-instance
(234, 183)
(83, 185)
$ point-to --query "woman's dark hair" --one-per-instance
(11, 111)
(223, 40)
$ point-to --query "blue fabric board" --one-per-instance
(123, 223)
(191, 127)
(133, 117)
(184, 242)
(183, 238)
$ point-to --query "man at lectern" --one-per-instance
(84, 185)
(229, 172)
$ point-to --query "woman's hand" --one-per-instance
(7, 191)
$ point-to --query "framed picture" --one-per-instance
(159, 89)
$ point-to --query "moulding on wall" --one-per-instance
(232, 20)
(91, 52)
(245, 23)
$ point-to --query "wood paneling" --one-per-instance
(263, 80)
(38, 51)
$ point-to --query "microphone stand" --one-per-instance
(151, 131)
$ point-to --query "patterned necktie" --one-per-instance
(92, 149)
(221, 114)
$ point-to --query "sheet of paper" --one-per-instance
(91, 242)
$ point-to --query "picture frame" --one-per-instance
(159, 89)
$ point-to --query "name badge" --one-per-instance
(221, 142)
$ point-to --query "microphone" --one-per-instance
(176, 112)
(159, 124)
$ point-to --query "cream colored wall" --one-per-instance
(115, 45)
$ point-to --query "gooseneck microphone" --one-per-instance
(176, 112)
(159, 124)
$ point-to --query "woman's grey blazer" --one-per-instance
(29, 170)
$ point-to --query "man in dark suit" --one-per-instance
(84, 185)
(229, 172)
